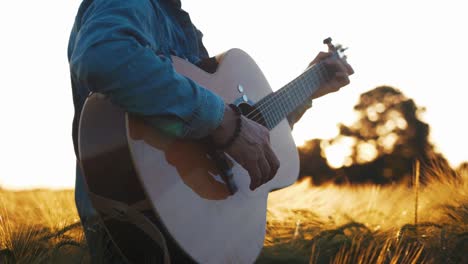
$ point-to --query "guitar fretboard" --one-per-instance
(278, 105)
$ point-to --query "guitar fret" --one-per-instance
(276, 106)
(303, 89)
(299, 96)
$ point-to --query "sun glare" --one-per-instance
(367, 152)
(338, 153)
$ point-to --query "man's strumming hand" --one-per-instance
(251, 149)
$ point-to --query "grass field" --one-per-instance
(306, 224)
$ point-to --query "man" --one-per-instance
(122, 48)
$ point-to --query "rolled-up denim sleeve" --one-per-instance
(206, 118)
(115, 54)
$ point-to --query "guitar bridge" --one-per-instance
(224, 165)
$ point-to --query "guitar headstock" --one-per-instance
(337, 50)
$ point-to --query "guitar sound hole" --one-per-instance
(252, 113)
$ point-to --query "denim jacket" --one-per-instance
(122, 48)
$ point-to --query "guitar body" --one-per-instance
(125, 160)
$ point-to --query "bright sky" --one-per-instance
(416, 46)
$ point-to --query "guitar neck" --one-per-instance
(278, 105)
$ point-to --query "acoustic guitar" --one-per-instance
(163, 199)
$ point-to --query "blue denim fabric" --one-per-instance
(83, 203)
(100, 247)
(122, 48)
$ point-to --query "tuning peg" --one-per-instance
(328, 42)
(336, 49)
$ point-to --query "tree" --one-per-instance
(314, 164)
(388, 137)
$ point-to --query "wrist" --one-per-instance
(225, 134)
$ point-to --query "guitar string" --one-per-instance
(280, 94)
(323, 75)
(265, 108)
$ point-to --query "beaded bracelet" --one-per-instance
(234, 136)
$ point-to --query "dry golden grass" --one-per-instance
(306, 224)
(39, 227)
(368, 224)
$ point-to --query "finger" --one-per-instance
(336, 65)
(341, 75)
(342, 79)
(264, 132)
(348, 67)
(320, 56)
(273, 162)
(255, 176)
(265, 170)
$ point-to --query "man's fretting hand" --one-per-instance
(251, 149)
(342, 72)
